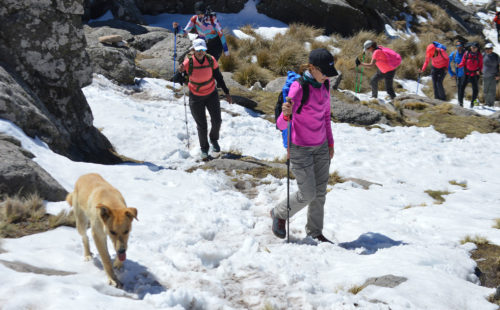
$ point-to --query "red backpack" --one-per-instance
(393, 58)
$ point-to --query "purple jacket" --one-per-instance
(313, 125)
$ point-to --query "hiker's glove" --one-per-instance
(178, 78)
(357, 62)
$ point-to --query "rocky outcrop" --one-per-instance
(20, 175)
(155, 7)
(464, 15)
(44, 47)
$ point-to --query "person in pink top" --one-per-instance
(311, 145)
(439, 62)
(386, 69)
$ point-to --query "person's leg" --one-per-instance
(374, 83)
(489, 90)
(315, 212)
(389, 81)
(461, 90)
(475, 88)
(214, 47)
(302, 166)
(197, 106)
(440, 74)
(213, 107)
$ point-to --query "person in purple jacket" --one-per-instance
(311, 147)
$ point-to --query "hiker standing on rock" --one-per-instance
(436, 53)
(456, 57)
(203, 70)
(208, 28)
(472, 62)
(386, 61)
(496, 23)
(310, 145)
(490, 74)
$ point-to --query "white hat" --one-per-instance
(488, 45)
(199, 45)
(367, 44)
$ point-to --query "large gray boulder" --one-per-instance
(44, 46)
(20, 175)
(126, 10)
(353, 113)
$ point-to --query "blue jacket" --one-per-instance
(457, 59)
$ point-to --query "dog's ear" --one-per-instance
(131, 213)
(104, 212)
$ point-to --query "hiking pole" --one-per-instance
(356, 80)
(418, 83)
(361, 78)
(288, 142)
(185, 114)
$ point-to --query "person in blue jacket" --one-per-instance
(456, 57)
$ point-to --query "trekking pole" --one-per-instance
(356, 80)
(418, 83)
(288, 142)
(185, 114)
(361, 78)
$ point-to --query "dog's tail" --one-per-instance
(69, 199)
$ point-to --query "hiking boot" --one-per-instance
(320, 239)
(204, 155)
(279, 226)
(215, 148)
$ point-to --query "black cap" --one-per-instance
(199, 7)
(323, 59)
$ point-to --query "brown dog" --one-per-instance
(99, 204)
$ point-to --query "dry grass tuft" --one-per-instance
(251, 73)
(437, 195)
(229, 63)
(21, 216)
(335, 178)
(356, 289)
(461, 184)
(478, 240)
(497, 224)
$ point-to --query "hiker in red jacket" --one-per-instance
(496, 22)
(472, 62)
(439, 62)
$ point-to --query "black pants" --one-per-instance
(388, 77)
(197, 104)
(214, 47)
(438, 75)
(498, 32)
(475, 88)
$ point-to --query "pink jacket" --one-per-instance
(312, 127)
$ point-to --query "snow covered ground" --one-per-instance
(201, 244)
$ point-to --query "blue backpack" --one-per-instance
(439, 45)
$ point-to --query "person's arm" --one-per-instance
(464, 58)
(368, 64)
(480, 63)
(220, 82)
(189, 26)
(328, 127)
(295, 94)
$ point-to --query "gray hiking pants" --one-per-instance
(388, 77)
(490, 90)
(311, 167)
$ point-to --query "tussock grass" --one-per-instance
(414, 206)
(335, 178)
(229, 63)
(497, 224)
(356, 289)
(454, 126)
(303, 33)
(286, 55)
(20, 216)
(417, 106)
(477, 240)
(437, 195)
(461, 184)
(251, 73)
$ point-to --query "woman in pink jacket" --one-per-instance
(311, 147)
(439, 62)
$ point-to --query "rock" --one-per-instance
(495, 116)
(276, 85)
(20, 175)
(231, 83)
(44, 47)
(256, 86)
(389, 280)
(354, 113)
(126, 10)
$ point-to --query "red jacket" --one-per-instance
(472, 62)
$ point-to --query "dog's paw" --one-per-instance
(116, 283)
(118, 264)
(88, 258)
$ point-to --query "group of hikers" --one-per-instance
(305, 111)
